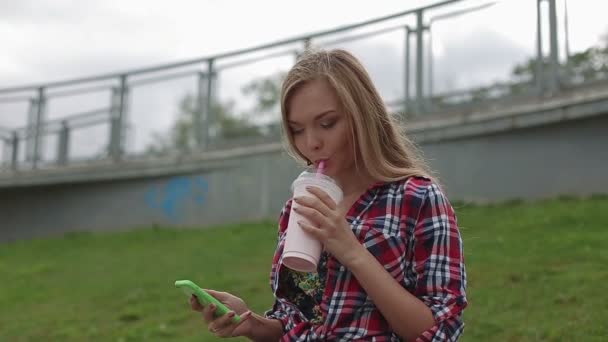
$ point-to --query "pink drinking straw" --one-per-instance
(320, 169)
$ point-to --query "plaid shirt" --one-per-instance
(410, 227)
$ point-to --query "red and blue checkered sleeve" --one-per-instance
(289, 317)
(439, 266)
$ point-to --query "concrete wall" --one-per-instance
(569, 157)
(250, 188)
(563, 157)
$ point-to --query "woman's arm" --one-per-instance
(432, 312)
(438, 263)
(407, 315)
(265, 329)
(274, 323)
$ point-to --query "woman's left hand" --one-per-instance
(331, 229)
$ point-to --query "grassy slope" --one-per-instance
(536, 272)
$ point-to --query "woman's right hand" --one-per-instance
(224, 326)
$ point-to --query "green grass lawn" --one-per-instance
(537, 272)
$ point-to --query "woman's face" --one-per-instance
(320, 128)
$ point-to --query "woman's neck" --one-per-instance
(354, 183)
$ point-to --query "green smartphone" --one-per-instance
(190, 288)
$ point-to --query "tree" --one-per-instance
(588, 65)
(267, 92)
(262, 120)
(182, 138)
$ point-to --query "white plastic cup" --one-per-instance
(302, 251)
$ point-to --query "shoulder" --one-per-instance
(411, 188)
(413, 193)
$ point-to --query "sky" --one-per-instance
(50, 40)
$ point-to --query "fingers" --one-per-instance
(323, 196)
(196, 306)
(208, 312)
(220, 326)
(217, 294)
(225, 326)
(245, 316)
(315, 232)
(313, 215)
(312, 203)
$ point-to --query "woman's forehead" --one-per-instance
(311, 99)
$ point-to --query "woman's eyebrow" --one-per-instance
(317, 117)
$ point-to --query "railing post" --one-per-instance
(307, 44)
(5, 144)
(555, 77)
(39, 123)
(430, 72)
(568, 74)
(15, 150)
(419, 61)
(29, 131)
(431, 62)
(406, 85)
(118, 115)
(114, 123)
(539, 75)
(201, 124)
(63, 144)
(124, 110)
(210, 117)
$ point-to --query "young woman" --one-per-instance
(392, 268)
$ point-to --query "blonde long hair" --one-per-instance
(380, 145)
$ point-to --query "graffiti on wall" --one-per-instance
(174, 195)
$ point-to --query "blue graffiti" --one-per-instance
(177, 192)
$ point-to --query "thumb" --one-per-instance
(217, 294)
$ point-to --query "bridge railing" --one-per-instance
(100, 118)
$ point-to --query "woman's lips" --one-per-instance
(318, 162)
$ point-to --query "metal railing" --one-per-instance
(550, 77)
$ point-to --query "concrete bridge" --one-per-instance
(551, 141)
(557, 146)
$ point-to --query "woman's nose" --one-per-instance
(313, 141)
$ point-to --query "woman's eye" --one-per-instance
(295, 131)
(329, 124)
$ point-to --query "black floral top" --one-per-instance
(305, 289)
